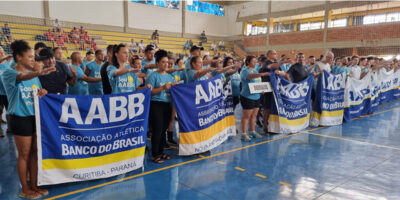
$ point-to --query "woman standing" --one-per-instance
(250, 102)
(20, 83)
(160, 106)
(197, 72)
(121, 75)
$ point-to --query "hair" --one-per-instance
(19, 47)
(73, 55)
(89, 52)
(39, 45)
(55, 49)
(311, 57)
(148, 48)
(269, 51)
(110, 48)
(177, 61)
(299, 54)
(97, 52)
(249, 58)
(226, 60)
(160, 54)
(353, 57)
(362, 59)
(216, 57)
(133, 59)
(193, 60)
(116, 49)
(283, 55)
(262, 58)
(204, 57)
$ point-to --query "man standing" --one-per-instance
(103, 71)
(148, 62)
(38, 47)
(88, 59)
(93, 70)
(55, 82)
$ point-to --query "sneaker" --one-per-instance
(245, 137)
(255, 135)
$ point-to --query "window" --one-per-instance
(256, 30)
(381, 18)
(283, 28)
(311, 26)
(204, 7)
(338, 23)
(174, 4)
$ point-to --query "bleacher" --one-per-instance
(28, 32)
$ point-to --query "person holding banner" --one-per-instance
(122, 77)
(81, 85)
(20, 84)
(250, 102)
(228, 63)
(298, 71)
(160, 106)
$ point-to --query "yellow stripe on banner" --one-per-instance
(293, 122)
(325, 113)
(92, 162)
(207, 133)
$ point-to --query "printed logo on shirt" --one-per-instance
(34, 86)
(177, 77)
(130, 79)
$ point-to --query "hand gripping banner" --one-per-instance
(205, 114)
(329, 102)
(90, 137)
(291, 111)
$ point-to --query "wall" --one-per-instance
(369, 32)
(92, 12)
(149, 17)
(25, 9)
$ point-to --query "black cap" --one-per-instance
(44, 54)
(194, 48)
(39, 45)
(149, 48)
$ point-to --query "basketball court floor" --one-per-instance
(357, 160)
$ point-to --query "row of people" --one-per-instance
(45, 70)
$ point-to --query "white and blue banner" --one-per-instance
(291, 111)
(357, 97)
(205, 114)
(82, 138)
(329, 102)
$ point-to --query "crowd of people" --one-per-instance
(120, 69)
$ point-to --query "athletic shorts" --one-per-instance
(249, 104)
(4, 101)
(267, 99)
(22, 126)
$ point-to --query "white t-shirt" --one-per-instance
(320, 66)
(355, 72)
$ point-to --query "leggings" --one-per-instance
(160, 115)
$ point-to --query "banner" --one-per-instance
(375, 86)
(357, 97)
(90, 137)
(205, 114)
(329, 102)
(291, 111)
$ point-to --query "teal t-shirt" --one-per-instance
(176, 74)
(285, 67)
(148, 71)
(81, 86)
(3, 67)
(124, 83)
(191, 77)
(235, 84)
(245, 83)
(19, 93)
(157, 80)
(95, 88)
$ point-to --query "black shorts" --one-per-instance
(267, 99)
(236, 100)
(22, 126)
(4, 101)
(249, 104)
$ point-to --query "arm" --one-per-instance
(123, 70)
(159, 89)
(87, 71)
(172, 70)
(37, 71)
(253, 76)
(150, 66)
(203, 72)
(90, 79)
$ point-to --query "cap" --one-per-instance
(194, 48)
(44, 54)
